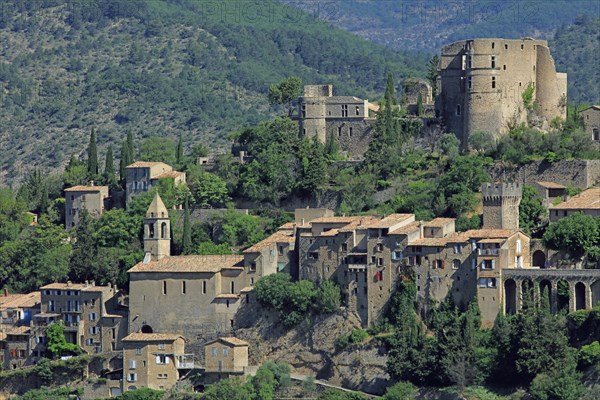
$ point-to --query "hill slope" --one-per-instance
(428, 25)
(161, 67)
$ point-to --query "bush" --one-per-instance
(342, 342)
(589, 354)
(141, 394)
(358, 336)
(328, 298)
(401, 391)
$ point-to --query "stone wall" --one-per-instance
(352, 135)
(573, 173)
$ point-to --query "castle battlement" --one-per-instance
(504, 189)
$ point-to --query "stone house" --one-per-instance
(344, 118)
(225, 357)
(92, 198)
(483, 80)
(591, 122)
(92, 315)
(17, 347)
(586, 202)
(154, 360)
(141, 176)
(550, 192)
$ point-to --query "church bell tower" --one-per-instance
(157, 231)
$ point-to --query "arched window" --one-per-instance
(163, 230)
(151, 231)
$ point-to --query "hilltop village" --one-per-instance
(185, 315)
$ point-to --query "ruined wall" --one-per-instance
(352, 136)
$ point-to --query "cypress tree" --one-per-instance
(179, 152)
(123, 163)
(92, 164)
(109, 167)
(390, 91)
(187, 231)
(130, 147)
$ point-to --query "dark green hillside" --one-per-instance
(161, 67)
(576, 50)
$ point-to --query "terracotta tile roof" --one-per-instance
(193, 263)
(81, 188)
(230, 340)
(27, 300)
(76, 286)
(332, 232)
(586, 200)
(358, 223)
(551, 185)
(406, 229)
(457, 238)
(438, 222)
(429, 242)
(157, 208)
(389, 221)
(151, 337)
(17, 330)
(289, 225)
(491, 240)
(146, 164)
(282, 236)
(335, 220)
(169, 174)
(489, 233)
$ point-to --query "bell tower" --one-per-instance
(157, 231)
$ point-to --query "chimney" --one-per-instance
(91, 183)
(87, 283)
(5, 292)
(68, 283)
(93, 283)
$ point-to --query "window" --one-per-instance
(470, 62)
(505, 47)
(339, 131)
(93, 316)
(313, 255)
(456, 264)
(225, 351)
(595, 133)
(93, 302)
(138, 351)
(213, 351)
(488, 264)
(380, 261)
(350, 131)
(162, 359)
(493, 45)
(457, 249)
(487, 282)
(114, 333)
(396, 255)
(504, 67)
(94, 330)
(162, 376)
(132, 364)
(344, 246)
(458, 109)
(164, 288)
(280, 250)
(89, 342)
(51, 305)
(161, 346)
(493, 61)
(493, 82)
(183, 288)
(470, 82)
(131, 377)
(344, 110)
(163, 230)
(522, 47)
(379, 247)
(204, 283)
(303, 110)
(39, 339)
(464, 62)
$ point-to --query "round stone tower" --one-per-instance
(501, 205)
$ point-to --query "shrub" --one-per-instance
(589, 354)
(358, 336)
(401, 391)
(328, 298)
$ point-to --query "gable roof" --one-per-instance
(194, 263)
(152, 337)
(169, 174)
(81, 188)
(282, 236)
(146, 164)
(229, 340)
(438, 222)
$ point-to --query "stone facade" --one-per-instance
(227, 355)
(501, 205)
(591, 122)
(142, 175)
(550, 192)
(92, 198)
(153, 360)
(344, 118)
(482, 82)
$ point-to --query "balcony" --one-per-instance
(357, 266)
(488, 252)
(72, 309)
(184, 361)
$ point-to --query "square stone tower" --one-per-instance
(501, 205)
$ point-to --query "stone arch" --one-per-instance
(539, 259)
(510, 296)
(580, 296)
(546, 288)
(595, 287)
(147, 329)
(563, 294)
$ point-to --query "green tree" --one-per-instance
(231, 389)
(577, 234)
(141, 394)
(117, 228)
(179, 152)
(124, 162)
(482, 142)
(449, 144)
(75, 173)
(272, 290)
(130, 147)
(92, 162)
(209, 190)
(563, 383)
(109, 176)
(432, 73)
(285, 93)
(400, 391)
(531, 210)
(328, 297)
(43, 369)
(160, 149)
(85, 250)
(313, 173)
(56, 343)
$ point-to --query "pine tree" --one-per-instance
(187, 231)
(92, 163)
(109, 168)
(179, 152)
(130, 147)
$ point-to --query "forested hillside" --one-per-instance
(430, 24)
(161, 68)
